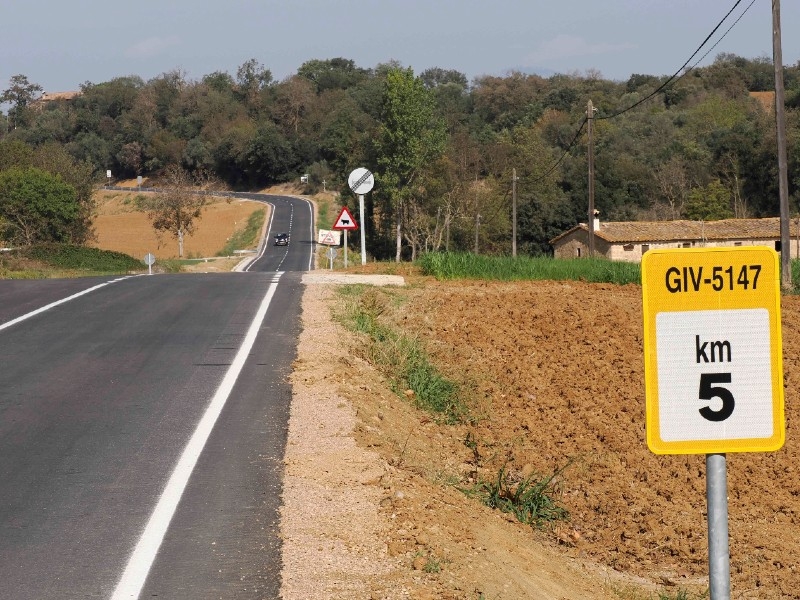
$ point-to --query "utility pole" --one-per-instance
(590, 110)
(783, 178)
(477, 229)
(514, 213)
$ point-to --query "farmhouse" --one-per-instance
(628, 240)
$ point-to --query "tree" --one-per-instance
(410, 136)
(56, 160)
(251, 78)
(711, 203)
(36, 207)
(292, 98)
(175, 209)
(673, 181)
(20, 93)
(332, 74)
(15, 153)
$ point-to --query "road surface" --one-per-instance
(142, 428)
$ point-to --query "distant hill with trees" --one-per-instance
(442, 148)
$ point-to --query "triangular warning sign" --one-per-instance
(329, 239)
(345, 220)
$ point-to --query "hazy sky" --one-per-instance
(60, 45)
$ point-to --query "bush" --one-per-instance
(64, 256)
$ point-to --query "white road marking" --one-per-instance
(133, 579)
(38, 311)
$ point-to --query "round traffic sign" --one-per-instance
(361, 181)
(149, 259)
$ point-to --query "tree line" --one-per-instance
(442, 148)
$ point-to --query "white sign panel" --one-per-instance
(725, 388)
(361, 181)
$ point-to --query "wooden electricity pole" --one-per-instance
(783, 178)
(514, 213)
(590, 122)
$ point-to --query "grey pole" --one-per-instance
(590, 110)
(719, 568)
(514, 213)
(780, 119)
(363, 227)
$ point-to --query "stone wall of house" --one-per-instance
(575, 246)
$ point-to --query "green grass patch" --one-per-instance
(449, 265)
(530, 500)
(325, 214)
(247, 237)
(401, 358)
(633, 593)
(80, 258)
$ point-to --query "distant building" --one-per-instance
(629, 240)
(48, 97)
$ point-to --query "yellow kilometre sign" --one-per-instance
(712, 350)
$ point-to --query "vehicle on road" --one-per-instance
(282, 239)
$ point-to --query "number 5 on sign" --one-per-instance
(713, 356)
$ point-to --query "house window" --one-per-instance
(686, 245)
(645, 248)
(628, 247)
(777, 245)
(737, 243)
(578, 252)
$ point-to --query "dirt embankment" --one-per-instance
(556, 373)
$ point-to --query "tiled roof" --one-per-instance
(50, 96)
(620, 232)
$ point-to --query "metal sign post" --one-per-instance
(361, 182)
(361, 216)
(149, 260)
(331, 256)
(713, 367)
(719, 562)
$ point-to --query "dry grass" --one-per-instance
(119, 226)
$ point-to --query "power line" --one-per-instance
(675, 76)
(727, 31)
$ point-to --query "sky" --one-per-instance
(61, 45)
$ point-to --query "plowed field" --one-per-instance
(556, 373)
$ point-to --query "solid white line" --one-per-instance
(38, 311)
(133, 579)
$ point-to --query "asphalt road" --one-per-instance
(142, 427)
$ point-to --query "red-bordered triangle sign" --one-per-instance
(345, 220)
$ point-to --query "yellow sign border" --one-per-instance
(656, 298)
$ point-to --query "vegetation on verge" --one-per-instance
(401, 358)
(449, 265)
(530, 500)
(246, 237)
(43, 261)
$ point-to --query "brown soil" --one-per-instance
(119, 226)
(555, 378)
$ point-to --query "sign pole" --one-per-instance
(363, 227)
(345, 248)
(361, 181)
(718, 551)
